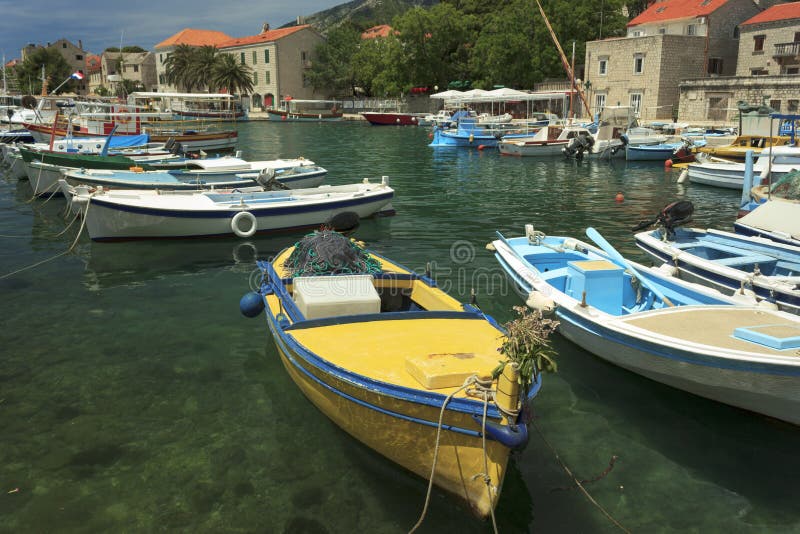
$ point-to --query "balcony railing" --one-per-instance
(786, 49)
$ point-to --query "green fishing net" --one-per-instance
(329, 252)
(788, 186)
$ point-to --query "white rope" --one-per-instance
(75, 242)
(466, 384)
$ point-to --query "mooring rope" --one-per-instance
(74, 242)
(578, 482)
(466, 384)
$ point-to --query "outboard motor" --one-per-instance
(683, 154)
(266, 179)
(673, 215)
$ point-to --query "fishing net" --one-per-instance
(329, 252)
(788, 186)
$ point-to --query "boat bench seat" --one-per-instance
(738, 261)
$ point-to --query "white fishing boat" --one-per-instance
(775, 162)
(147, 214)
(684, 335)
(550, 140)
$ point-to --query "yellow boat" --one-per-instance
(743, 143)
(401, 366)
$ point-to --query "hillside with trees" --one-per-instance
(460, 43)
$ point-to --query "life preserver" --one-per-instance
(123, 119)
(235, 224)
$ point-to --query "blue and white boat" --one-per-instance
(111, 215)
(729, 262)
(684, 335)
(675, 152)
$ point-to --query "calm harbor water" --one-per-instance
(135, 398)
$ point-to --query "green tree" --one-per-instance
(229, 74)
(379, 65)
(126, 87)
(333, 67)
(56, 70)
(179, 67)
(203, 62)
(437, 43)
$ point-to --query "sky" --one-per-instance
(102, 24)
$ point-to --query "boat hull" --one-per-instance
(690, 347)
(390, 119)
(771, 392)
(110, 221)
(371, 417)
(530, 149)
(285, 116)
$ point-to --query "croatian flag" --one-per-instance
(78, 75)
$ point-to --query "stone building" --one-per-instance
(767, 70)
(74, 55)
(139, 67)
(187, 36)
(670, 41)
(280, 60)
(769, 43)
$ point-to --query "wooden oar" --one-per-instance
(595, 236)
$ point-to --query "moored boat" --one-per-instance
(684, 335)
(390, 118)
(148, 214)
(397, 363)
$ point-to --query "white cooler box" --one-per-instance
(334, 296)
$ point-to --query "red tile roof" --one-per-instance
(382, 30)
(665, 10)
(263, 37)
(775, 13)
(192, 37)
(93, 63)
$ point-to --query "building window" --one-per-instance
(161, 58)
(637, 33)
(136, 68)
(241, 57)
(715, 65)
(63, 45)
(775, 104)
(638, 63)
(691, 29)
(758, 43)
(662, 31)
(303, 56)
(758, 72)
(602, 67)
(797, 37)
(162, 79)
(266, 55)
(78, 57)
(255, 78)
(255, 57)
(791, 106)
(736, 32)
(792, 70)
(266, 77)
(599, 102)
(636, 102)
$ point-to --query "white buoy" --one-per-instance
(684, 175)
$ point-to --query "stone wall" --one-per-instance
(713, 100)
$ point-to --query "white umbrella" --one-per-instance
(449, 94)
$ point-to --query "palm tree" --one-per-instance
(203, 63)
(231, 75)
(179, 67)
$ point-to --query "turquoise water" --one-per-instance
(135, 398)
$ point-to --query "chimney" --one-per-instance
(80, 44)
(265, 27)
